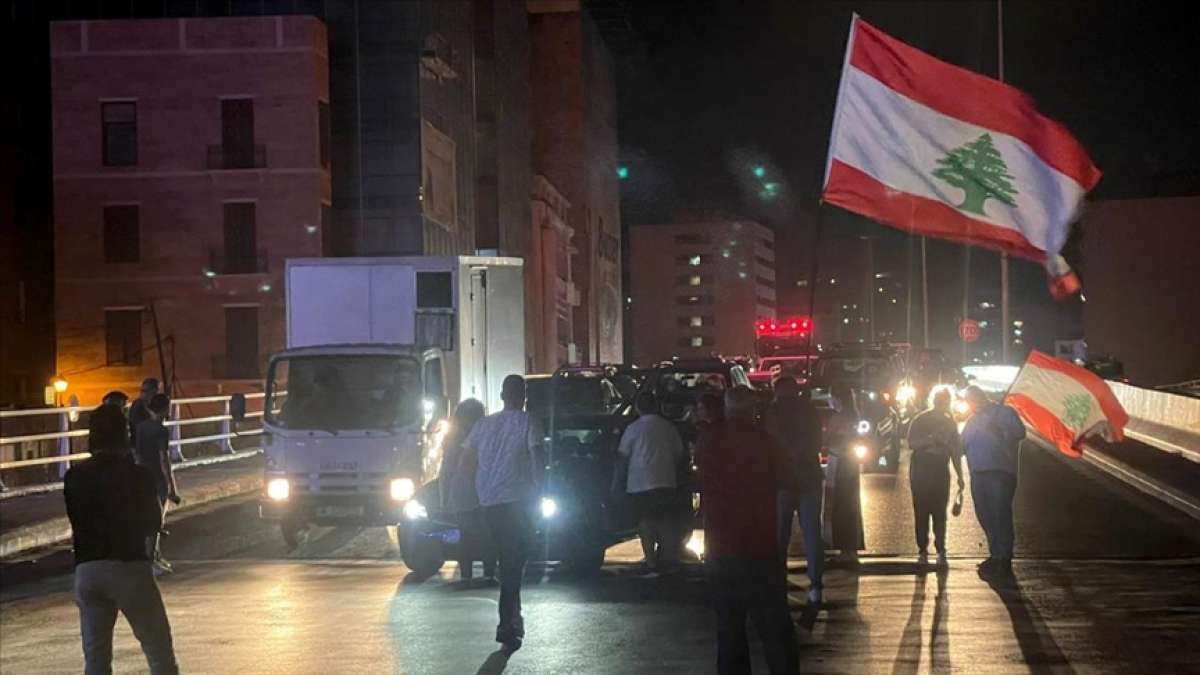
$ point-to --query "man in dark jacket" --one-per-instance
(113, 507)
(151, 451)
(743, 471)
(140, 410)
(794, 424)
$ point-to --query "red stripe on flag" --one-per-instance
(970, 97)
(1098, 388)
(1045, 423)
(859, 192)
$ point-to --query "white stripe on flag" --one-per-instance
(898, 142)
(1051, 389)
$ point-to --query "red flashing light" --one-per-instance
(791, 326)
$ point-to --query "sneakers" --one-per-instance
(942, 563)
(814, 596)
(923, 558)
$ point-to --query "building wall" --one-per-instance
(736, 273)
(1139, 274)
(177, 71)
(574, 142)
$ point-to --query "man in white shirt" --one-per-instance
(655, 454)
(508, 478)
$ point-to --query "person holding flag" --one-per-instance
(991, 440)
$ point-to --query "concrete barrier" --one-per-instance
(1169, 422)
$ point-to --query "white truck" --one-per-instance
(378, 350)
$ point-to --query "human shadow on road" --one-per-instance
(1038, 647)
(908, 657)
(495, 664)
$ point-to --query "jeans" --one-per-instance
(658, 525)
(476, 544)
(744, 588)
(104, 587)
(929, 479)
(512, 533)
(807, 505)
(992, 492)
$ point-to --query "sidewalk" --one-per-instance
(39, 520)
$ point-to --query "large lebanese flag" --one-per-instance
(1064, 403)
(933, 149)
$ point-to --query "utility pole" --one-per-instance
(1004, 324)
(924, 294)
(870, 287)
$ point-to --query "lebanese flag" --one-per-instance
(936, 150)
(1064, 403)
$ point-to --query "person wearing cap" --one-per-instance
(140, 410)
(508, 478)
(112, 505)
(991, 441)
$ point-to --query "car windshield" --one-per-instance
(793, 367)
(867, 372)
(583, 442)
(575, 395)
(338, 393)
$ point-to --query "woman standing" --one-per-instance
(459, 498)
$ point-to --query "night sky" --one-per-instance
(708, 90)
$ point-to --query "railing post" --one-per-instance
(176, 449)
(226, 426)
(64, 443)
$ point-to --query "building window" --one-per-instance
(439, 189)
(697, 340)
(695, 280)
(691, 260)
(123, 337)
(241, 240)
(694, 341)
(693, 300)
(120, 133)
(768, 244)
(237, 133)
(696, 321)
(763, 281)
(241, 342)
(769, 264)
(692, 239)
(323, 130)
(121, 244)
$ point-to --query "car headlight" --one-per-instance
(415, 510)
(871, 395)
(278, 489)
(402, 489)
(860, 451)
(962, 407)
(549, 507)
(905, 393)
(863, 428)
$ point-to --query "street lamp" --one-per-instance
(60, 386)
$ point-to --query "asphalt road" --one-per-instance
(1109, 582)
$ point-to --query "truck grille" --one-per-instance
(339, 482)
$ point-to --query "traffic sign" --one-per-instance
(968, 330)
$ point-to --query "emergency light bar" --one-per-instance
(796, 325)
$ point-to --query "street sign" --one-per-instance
(968, 330)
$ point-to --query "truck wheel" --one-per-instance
(291, 528)
(422, 555)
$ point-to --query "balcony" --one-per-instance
(222, 262)
(226, 367)
(222, 157)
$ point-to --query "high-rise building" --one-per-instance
(697, 288)
(191, 158)
(573, 112)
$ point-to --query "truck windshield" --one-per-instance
(338, 393)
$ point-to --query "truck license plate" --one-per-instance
(339, 511)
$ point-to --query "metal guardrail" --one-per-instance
(70, 414)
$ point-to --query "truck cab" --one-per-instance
(349, 433)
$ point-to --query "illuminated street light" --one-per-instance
(60, 384)
(622, 172)
(759, 172)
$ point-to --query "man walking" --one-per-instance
(794, 424)
(113, 509)
(140, 410)
(509, 475)
(991, 440)
(743, 472)
(933, 438)
(150, 451)
(655, 453)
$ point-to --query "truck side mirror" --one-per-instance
(237, 407)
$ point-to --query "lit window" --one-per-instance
(694, 261)
(832, 282)
(697, 341)
(695, 280)
(725, 253)
(696, 321)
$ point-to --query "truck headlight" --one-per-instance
(549, 507)
(415, 510)
(905, 393)
(860, 451)
(278, 489)
(402, 489)
(863, 428)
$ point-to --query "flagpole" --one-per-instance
(924, 293)
(814, 257)
(1004, 324)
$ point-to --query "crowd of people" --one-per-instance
(757, 472)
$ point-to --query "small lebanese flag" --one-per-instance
(937, 150)
(1064, 403)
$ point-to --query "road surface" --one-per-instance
(1109, 582)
